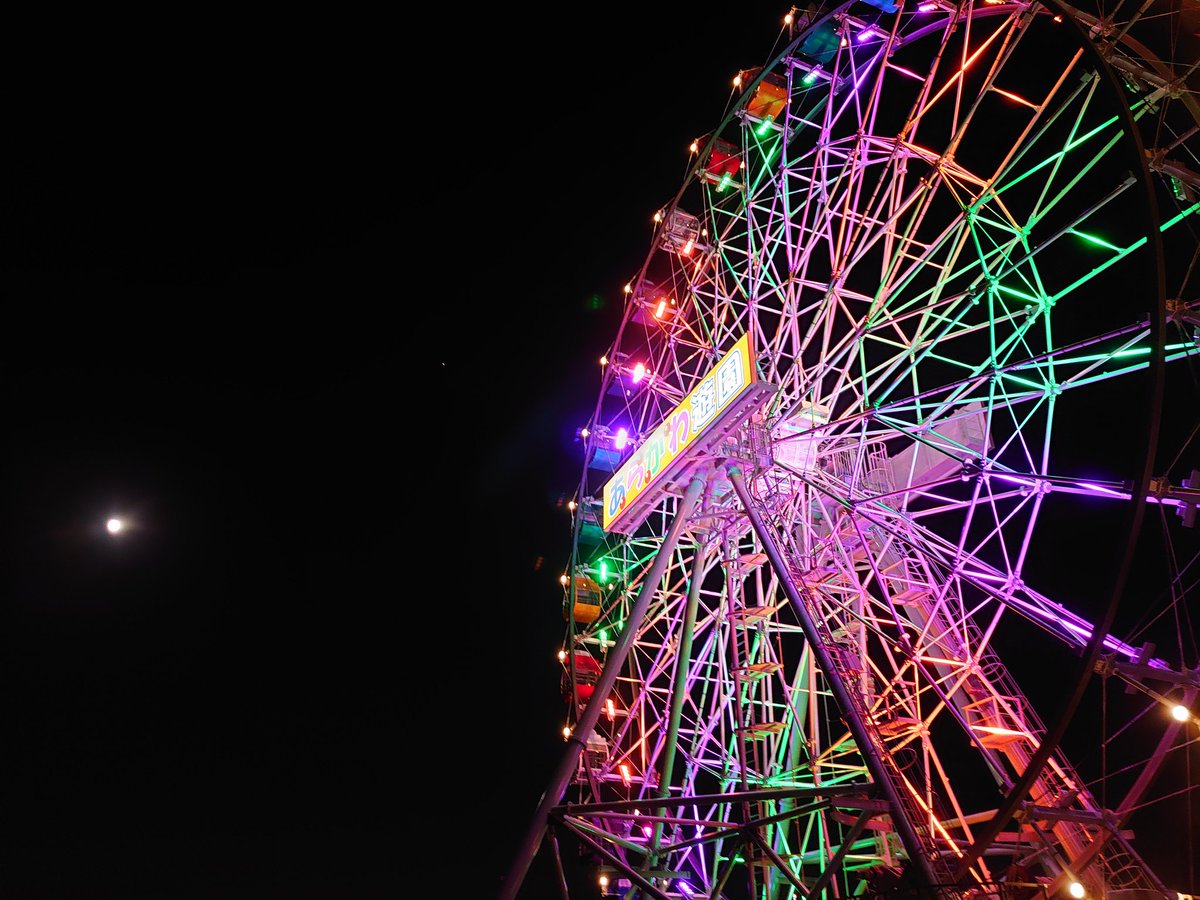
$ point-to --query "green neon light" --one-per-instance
(1025, 381)
(1060, 154)
(1092, 239)
(1123, 252)
(1014, 292)
(603, 570)
(1134, 351)
(1176, 218)
(602, 634)
(810, 78)
(764, 127)
(725, 179)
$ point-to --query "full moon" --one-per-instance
(114, 525)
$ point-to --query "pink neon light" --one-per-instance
(622, 439)
(639, 372)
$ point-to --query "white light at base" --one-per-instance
(639, 372)
(114, 525)
(603, 881)
(662, 307)
(1076, 890)
(562, 655)
(694, 147)
(622, 439)
(566, 732)
(562, 579)
(737, 80)
(788, 19)
(583, 432)
(629, 288)
(1180, 712)
(571, 504)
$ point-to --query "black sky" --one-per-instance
(200, 246)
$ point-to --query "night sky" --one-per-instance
(316, 305)
(201, 277)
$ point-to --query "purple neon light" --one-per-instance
(1102, 489)
(1011, 479)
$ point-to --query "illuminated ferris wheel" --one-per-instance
(892, 370)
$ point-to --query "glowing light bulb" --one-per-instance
(629, 288)
(662, 307)
(657, 217)
(647, 830)
(603, 881)
(737, 80)
(626, 778)
(583, 432)
(788, 19)
(571, 504)
(563, 579)
(562, 655)
(694, 147)
(1180, 712)
(687, 248)
(566, 732)
(1076, 890)
(604, 360)
(610, 709)
(639, 372)
(620, 442)
(114, 525)
(845, 42)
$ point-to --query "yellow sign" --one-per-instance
(640, 482)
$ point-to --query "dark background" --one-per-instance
(205, 331)
(316, 303)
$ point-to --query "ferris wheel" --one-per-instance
(877, 445)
